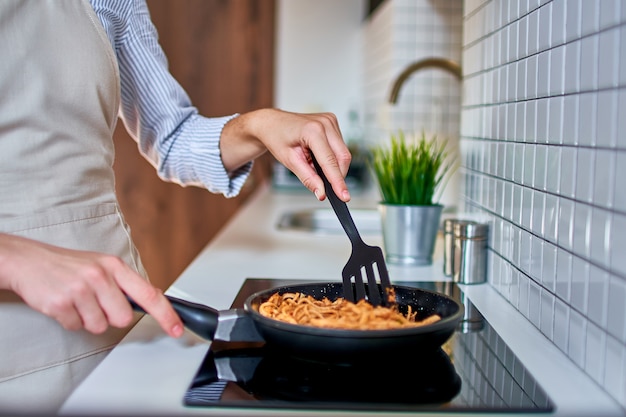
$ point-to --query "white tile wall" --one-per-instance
(543, 140)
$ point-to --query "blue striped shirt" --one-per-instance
(181, 144)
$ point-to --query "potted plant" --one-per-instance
(411, 175)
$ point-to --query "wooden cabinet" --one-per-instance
(222, 53)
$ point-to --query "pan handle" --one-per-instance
(198, 318)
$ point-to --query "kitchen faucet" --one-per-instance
(445, 64)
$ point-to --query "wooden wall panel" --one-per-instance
(222, 53)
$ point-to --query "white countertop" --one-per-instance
(148, 373)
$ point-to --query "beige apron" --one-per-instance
(59, 97)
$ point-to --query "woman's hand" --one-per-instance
(291, 138)
(80, 289)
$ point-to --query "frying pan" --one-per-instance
(328, 345)
(340, 344)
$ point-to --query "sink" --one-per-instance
(367, 221)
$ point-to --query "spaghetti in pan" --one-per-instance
(303, 309)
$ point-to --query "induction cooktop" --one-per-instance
(474, 371)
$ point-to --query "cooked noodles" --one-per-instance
(298, 308)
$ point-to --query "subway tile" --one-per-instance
(527, 207)
(590, 17)
(538, 209)
(516, 214)
(606, 127)
(501, 110)
(513, 49)
(529, 164)
(597, 296)
(577, 338)
(547, 314)
(533, 32)
(514, 290)
(518, 169)
(555, 124)
(616, 313)
(573, 20)
(589, 63)
(566, 223)
(608, 57)
(622, 51)
(522, 305)
(579, 284)
(595, 350)
(570, 119)
(539, 181)
(609, 13)
(558, 22)
(548, 272)
(619, 174)
(561, 325)
(572, 67)
(520, 125)
(553, 168)
(545, 27)
(557, 70)
(510, 121)
(509, 149)
(507, 202)
(531, 121)
(618, 244)
(525, 251)
(587, 118)
(563, 274)
(534, 304)
(541, 120)
(543, 71)
(621, 109)
(531, 77)
(599, 233)
(536, 258)
(569, 157)
(603, 178)
(501, 159)
(550, 218)
(582, 219)
(584, 166)
(522, 37)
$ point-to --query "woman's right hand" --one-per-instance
(80, 289)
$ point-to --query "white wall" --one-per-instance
(399, 33)
(318, 56)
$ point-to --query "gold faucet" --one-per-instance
(445, 64)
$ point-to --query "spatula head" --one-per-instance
(367, 265)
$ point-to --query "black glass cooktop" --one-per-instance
(474, 371)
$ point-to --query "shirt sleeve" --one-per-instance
(179, 142)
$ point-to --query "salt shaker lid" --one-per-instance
(471, 230)
(448, 224)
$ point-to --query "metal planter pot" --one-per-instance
(409, 233)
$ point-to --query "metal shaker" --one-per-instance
(470, 252)
(448, 244)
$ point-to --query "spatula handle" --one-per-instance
(340, 207)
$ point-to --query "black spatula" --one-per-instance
(364, 259)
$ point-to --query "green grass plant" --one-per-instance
(412, 172)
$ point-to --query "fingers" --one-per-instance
(332, 155)
(151, 299)
(319, 135)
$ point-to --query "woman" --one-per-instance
(67, 260)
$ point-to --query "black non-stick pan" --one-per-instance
(321, 343)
